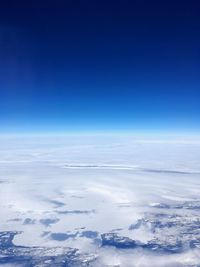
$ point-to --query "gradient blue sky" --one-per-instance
(99, 65)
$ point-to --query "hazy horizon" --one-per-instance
(100, 133)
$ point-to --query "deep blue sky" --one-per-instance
(99, 65)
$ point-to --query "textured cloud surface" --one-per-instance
(99, 201)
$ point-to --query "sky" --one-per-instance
(99, 65)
